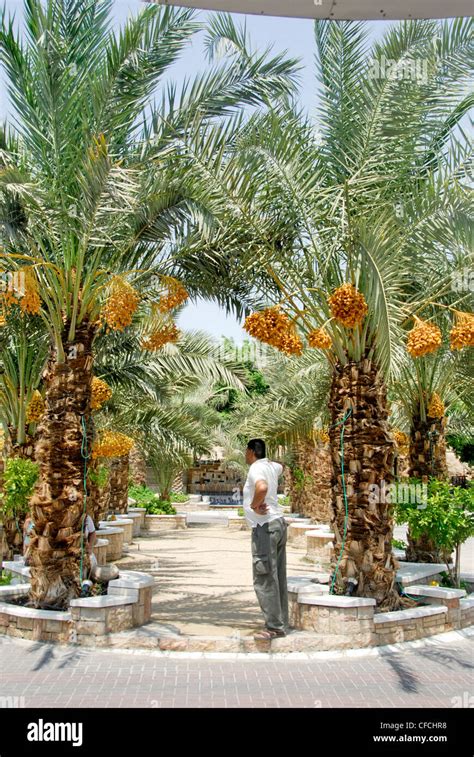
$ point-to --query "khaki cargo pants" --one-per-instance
(269, 572)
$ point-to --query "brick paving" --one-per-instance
(426, 676)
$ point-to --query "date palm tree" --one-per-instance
(97, 198)
(365, 207)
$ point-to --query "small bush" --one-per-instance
(19, 482)
(177, 497)
(160, 507)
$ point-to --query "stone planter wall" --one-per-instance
(141, 511)
(238, 523)
(156, 523)
(341, 622)
(114, 537)
(100, 551)
(320, 548)
(297, 533)
(126, 524)
(89, 621)
(137, 522)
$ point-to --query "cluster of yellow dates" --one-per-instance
(348, 307)
(24, 293)
(35, 408)
(273, 327)
(161, 336)
(435, 407)
(112, 444)
(120, 305)
(425, 337)
(100, 393)
(175, 295)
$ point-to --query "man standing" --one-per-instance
(269, 534)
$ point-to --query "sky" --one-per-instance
(285, 34)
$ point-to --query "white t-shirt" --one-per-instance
(270, 472)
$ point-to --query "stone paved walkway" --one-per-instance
(424, 675)
(204, 579)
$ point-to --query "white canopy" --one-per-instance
(337, 9)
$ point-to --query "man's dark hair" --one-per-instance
(258, 448)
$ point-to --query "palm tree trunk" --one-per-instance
(427, 458)
(98, 494)
(118, 496)
(368, 453)
(178, 483)
(137, 467)
(58, 502)
(311, 489)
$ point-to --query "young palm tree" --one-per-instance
(23, 353)
(425, 390)
(157, 389)
(96, 198)
(353, 224)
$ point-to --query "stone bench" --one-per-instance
(114, 537)
(126, 524)
(191, 507)
(127, 604)
(466, 605)
(156, 523)
(238, 523)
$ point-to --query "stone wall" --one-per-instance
(89, 621)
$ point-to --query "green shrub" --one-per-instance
(160, 507)
(5, 579)
(447, 519)
(177, 497)
(398, 544)
(19, 481)
(142, 495)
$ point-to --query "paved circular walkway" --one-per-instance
(437, 672)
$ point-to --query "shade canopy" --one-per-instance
(338, 9)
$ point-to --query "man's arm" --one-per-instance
(258, 501)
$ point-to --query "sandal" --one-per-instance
(268, 634)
